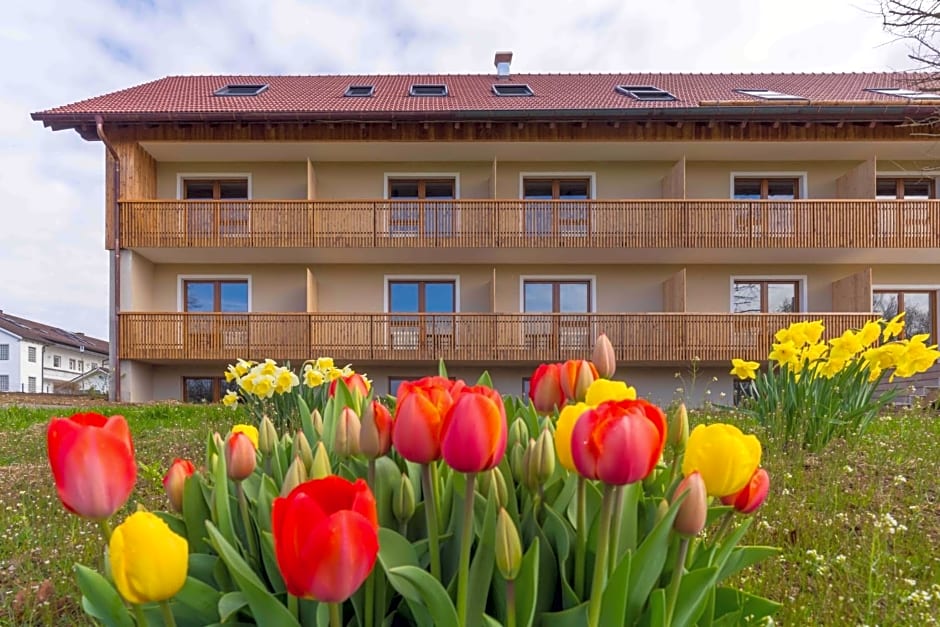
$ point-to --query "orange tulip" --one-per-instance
(474, 431)
(375, 434)
(545, 388)
(355, 382)
(326, 538)
(421, 408)
(175, 480)
(92, 461)
(619, 442)
(577, 375)
(240, 457)
(751, 496)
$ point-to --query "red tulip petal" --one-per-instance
(416, 434)
(584, 452)
(342, 553)
(472, 433)
(629, 448)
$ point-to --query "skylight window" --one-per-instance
(512, 90)
(360, 91)
(645, 92)
(428, 90)
(905, 93)
(769, 94)
(240, 90)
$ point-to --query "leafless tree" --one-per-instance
(917, 22)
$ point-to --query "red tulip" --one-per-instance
(545, 388)
(751, 495)
(355, 382)
(577, 375)
(92, 460)
(375, 434)
(475, 430)
(326, 538)
(421, 408)
(175, 480)
(619, 442)
(240, 458)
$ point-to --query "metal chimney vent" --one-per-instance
(502, 61)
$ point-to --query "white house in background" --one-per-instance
(36, 357)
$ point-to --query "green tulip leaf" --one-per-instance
(527, 586)
(221, 504)
(729, 543)
(387, 478)
(424, 591)
(265, 608)
(395, 550)
(195, 513)
(743, 557)
(483, 565)
(489, 621)
(269, 560)
(576, 616)
(485, 379)
(614, 598)
(230, 604)
(197, 602)
(648, 562)
(657, 609)
(101, 600)
(262, 511)
(737, 604)
(441, 368)
(202, 567)
(692, 591)
(306, 422)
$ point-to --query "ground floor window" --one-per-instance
(205, 389)
(742, 390)
(31, 384)
(919, 307)
(4, 383)
(526, 383)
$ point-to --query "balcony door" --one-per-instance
(214, 333)
(422, 330)
(566, 300)
(565, 211)
(421, 206)
(765, 218)
(919, 307)
(214, 217)
(760, 296)
(908, 217)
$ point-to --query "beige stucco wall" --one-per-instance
(136, 282)
(341, 180)
(712, 179)
(273, 287)
(137, 383)
(612, 179)
(273, 180)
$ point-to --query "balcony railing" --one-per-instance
(531, 224)
(485, 338)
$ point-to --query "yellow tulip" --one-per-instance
(249, 430)
(744, 369)
(602, 390)
(148, 560)
(563, 430)
(725, 457)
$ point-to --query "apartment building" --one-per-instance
(37, 357)
(497, 220)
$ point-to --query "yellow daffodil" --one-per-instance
(230, 399)
(324, 363)
(231, 374)
(814, 331)
(334, 373)
(602, 390)
(744, 369)
(724, 456)
(312, 377)
(148, 561)
(242, 367)
(247, 383)
(784, 353)
(845, 346)
(869, 333)
(285, 381)
(813, 352)
(894, 327)
(831, 367)
(563, 430)
(249, 430)
(264, 386)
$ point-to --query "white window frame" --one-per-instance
(32, 355)
(180, 176)
(592, 184)
(6, 386)
(387, 176)
(802, 176)
(930, 287)
(7, 358)
(180, 278)
(591, 278)
(389, 278)
(801, 278)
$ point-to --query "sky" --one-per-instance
(54, 266)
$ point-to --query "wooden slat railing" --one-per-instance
(530, 224)
(471, 337)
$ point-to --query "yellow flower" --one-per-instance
(873, 374)
(784, 353)
(269, 367)
(814, 331)
(230, 374)
(831, 367)
(148, 561)
(264, 386)
(230, 399)
(845, 346)
(324, 364)
(893, 327)
(813, 353)
(333, 374)
(795, 333)
(249, 430)
(725, 457)
(916, 357)
(285, 381)
(869, 333)
(606, 390)
(242, 367)
(247, 383)
(744, 369)
(563, 430)
(312, 378)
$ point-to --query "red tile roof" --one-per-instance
(45, 334)
(179, 97)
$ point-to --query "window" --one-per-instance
(920, 307)
(767, 94)
(31, 385)
(526, 383)
(360, 91)
(395, 382)
(205, 389)
(241, 90)
(210, 295)
(905, 93)
(4, 352)
(409, 216)
(512, 90)
(769, 219)
(568, 217)
(645, 92)
(557, 297)
(908, 218)
(4, 383)
(765, 296)
(758, 188)
(422, 296)
(215, 189)
(904, 188)
(742, 391)
(56, 361)
(31, 354)
(428, 90)
(81, 365)
(207, 219)
(71, 364)
(422, 332)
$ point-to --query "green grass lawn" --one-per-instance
(859, 526)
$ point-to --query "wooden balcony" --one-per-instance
(477, 338)
(516, 224)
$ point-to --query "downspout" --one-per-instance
(115, 304)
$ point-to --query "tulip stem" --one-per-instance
(466, 539)
(600, 558)
(105, 526)
(673, 592)
(370, 599)
(616, 522)
(723, 527)
(430, 512)
(370, 477)
(246, 520)
(292, 605)
(511, 603)
(336, 619)
(580, 550)
(168, 619)
(139, 615)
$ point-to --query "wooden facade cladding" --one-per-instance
(365, 224)
(479, 338)
(138, 179)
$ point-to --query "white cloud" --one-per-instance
(51, 184)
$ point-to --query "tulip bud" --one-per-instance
(544, 457)
(577, 375)
(239, 457)
(661, 510)
(320, 467)
(346, 439)
(530, 476)
(267, 436)
(508, 546)
(375, 436)
(296, 474)
(518, 432)
(604, 358)
(516, 462)
(317, 421)
(679, 428)
(751, 496)
(302, 449)
(218, 441)
(175, 480)
(493, 485)
(692, 512)
(403, 500)
(287, 442)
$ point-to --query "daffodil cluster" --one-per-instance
(262, 380)
(322, 370)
